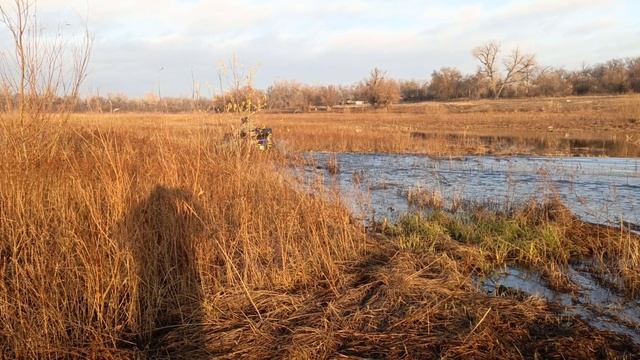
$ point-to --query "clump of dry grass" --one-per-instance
(332, 165)
(425, 198)
(545, 236)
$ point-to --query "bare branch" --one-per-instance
(517, 65)
(487, 56)
(46, 71)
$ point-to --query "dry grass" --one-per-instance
(109, 238)
(424, 198)
(128, 237)
(546, 237)
(585, 126)
(572, 126)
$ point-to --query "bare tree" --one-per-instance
(517, 66)
(379, 90)
(446, 84)
(633, 68)
(241, 96)
(17, 22)
(43, 68)
(487, 55)
(329, 95)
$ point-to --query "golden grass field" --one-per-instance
(592, 125)
(596, 126)
(146, 236)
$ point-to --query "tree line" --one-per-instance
(500, 74)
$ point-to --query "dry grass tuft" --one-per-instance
(424, 198)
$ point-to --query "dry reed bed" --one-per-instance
(156, 241)
(107, 237)
(602, 125)
(540, 126)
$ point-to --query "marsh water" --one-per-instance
(597, 189)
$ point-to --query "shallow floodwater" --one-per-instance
(596, 304)
(599, 190)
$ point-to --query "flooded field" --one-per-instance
(598, 190)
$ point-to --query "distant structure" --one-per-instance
(355, 102)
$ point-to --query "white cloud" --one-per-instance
(334, 40)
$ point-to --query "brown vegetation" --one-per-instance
(593, 126)
(138, 236)
(569, 126)
(119, 239)
(155, 240)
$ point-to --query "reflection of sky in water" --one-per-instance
(596, 189)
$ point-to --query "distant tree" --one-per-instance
(551, 82)
(329, 95)
(613, 76)
(413, 90)
(518, 67)
(379, 90)
(285, 95)
(633, 70)
(472, 86)
(487, 55)
(582, 81)
(446, 83)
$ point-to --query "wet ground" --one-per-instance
(597, 189)
(597, 304)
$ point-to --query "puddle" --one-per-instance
(599, 306)
(598, 190)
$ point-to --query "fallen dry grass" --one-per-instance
(143, 238)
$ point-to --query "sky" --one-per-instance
(141, 46)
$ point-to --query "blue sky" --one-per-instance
(330, 41)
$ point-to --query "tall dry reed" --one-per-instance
(111, 238)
